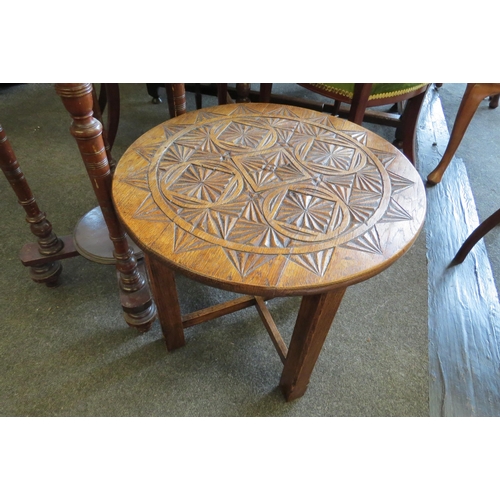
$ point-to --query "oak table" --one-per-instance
(267, 200)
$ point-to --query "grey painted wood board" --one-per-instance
(464, 312)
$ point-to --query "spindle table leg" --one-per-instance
(42, 257)
(137, 303)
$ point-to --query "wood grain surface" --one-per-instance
(270, 200)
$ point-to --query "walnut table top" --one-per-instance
(268, 199)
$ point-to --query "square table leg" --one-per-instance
(162, 280)
(315, 317)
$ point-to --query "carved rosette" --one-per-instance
(269, 188)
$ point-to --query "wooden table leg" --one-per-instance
(162, 280)
(43, 261)
(137, 303)
(315, 317)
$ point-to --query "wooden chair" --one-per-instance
(473, 96)
(353, 100)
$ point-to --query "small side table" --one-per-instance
(267, 200)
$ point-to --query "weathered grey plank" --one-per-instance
(464, 312)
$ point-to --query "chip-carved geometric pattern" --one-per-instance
(274, 189)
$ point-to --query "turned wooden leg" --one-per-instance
(137, 303)
(315, 317)
(42, 257)
(474, 94)
(162, 281)
(222, 95)
(476, 235)
(176, 98)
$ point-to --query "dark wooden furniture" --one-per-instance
(473, 95)
(98, 236)
(353, 101)
(137, 303)
(43, 257)
(267, 200)
(484, 228)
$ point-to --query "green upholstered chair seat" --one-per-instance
(351, 100)
(380, 91)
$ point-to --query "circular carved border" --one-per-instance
(307, 214)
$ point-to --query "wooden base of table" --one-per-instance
(138, 307)
(313, 322)
(91, 239)
(46, 269)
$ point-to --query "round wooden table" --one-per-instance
(267, 200)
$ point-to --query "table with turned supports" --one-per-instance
(266, 200)
(98, 236)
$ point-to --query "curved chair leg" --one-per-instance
(476, 235)
(494, 101)
(474, 94)
(152, 89)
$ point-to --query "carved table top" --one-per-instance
(268, 199)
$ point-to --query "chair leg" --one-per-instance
(409, 121)
(113, 93)
(476, 235)
(359, 102)
(152, 89)
(494, 101)
(222, 95)
(265, 92)
(243, 92)
(474, 94)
